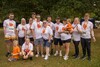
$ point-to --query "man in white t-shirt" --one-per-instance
(51, 24)
(21, 31)
(29, 31)
(57, 37)
(27, 49)
(9, 26)
(88, 33)
(37, 35)
(76, 35)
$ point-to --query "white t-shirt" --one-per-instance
(28, 31)
(46, 32)
(37, 26)
(86, 31)
(76, 35)
(10, 26)
(64, 36)
(51, 24)
(21, 30)
(56, 28)
(29, 47)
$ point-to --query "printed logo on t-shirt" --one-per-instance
(84, 26)
(63, 28)
(43, 31)
(23, 28)
(11, 24)
(38, 25)
(57, 28)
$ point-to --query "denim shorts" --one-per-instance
(46, 43)
(38, 41)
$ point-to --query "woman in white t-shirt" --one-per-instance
(76, 35)
(65, 37)
(21, 31)
(47, 36)
(27, 49)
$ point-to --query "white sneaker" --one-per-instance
(42, 55)
(65, 57)
(56, 54)
(9, 60)
(46, 57)
(60, 54)
(37, 55)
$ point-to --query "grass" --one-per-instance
(53, 61)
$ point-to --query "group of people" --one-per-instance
(46, 36)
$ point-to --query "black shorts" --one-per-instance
(66, 41)
(31, 39)
(57, 41)
(21, 40)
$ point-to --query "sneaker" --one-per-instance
(65, 57)
(46, 57)
(37, 55)
(76, 57)
(42, 55)
(60, 54)
(83, 57)
(7, 54)
(9, 60)
(56, 54)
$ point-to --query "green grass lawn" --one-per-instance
(53, 61)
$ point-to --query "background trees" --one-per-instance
(62, 8)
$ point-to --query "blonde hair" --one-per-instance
(69, 20)
(15, 42)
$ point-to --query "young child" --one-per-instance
(16, 52)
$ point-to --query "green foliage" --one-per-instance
(62, 8)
